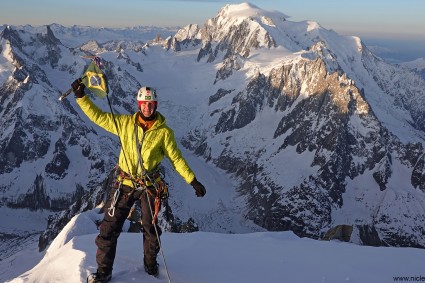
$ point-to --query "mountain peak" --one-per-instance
(247, 10)
(236, 30)
(243, 10)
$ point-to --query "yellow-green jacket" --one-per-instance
(157, 142)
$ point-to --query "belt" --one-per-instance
(127, 179)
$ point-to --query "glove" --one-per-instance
(199, 188)
(78, 88)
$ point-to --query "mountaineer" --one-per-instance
(145, 140)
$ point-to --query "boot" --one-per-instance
(151, 267)
(99, 277)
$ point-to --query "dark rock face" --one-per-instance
(219, 94)
(57, 168)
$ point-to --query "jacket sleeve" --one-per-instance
(174, 154)
(99, 117)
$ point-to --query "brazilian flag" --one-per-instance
(95, 80)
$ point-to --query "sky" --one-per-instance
(271, 257)
(395, 29)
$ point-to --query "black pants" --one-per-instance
(111, 227)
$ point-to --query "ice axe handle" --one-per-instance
(68, 91)
(65, 94)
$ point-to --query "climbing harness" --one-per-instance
(153, 183)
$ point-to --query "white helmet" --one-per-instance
(147, 94)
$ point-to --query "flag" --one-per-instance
(95, 80)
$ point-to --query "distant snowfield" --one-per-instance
(212, 257)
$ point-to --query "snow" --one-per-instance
(264, 62)
(247, 10)
(26, 226)
(24, 220)
(212, 257)
(81, 34)
(418, 64)
(6, 62)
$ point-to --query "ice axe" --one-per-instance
(68, 92)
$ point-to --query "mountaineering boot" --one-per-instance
(151, 268)
(99, 277)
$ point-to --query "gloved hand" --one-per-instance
(199, 188)
(78, 88)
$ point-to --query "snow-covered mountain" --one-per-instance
(208, 257)
(290, 126)
(417, 66)
(319, 130)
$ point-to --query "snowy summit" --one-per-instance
(206, 257)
